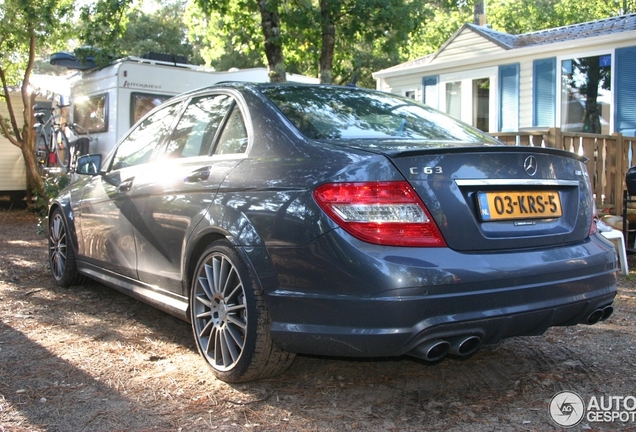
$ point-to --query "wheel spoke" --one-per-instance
(224, 275)
(225, 352)
(237, 322)
(212, 345)
(60, 267)
(234, 308)
(228, 281)
(230, 345)
(238, 289)
(237, 335)
(206, 281)
(205, 314)
(206, 297)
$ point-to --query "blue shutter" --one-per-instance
(430, 83)
(544, 92)
(625, 91)
(509, 98)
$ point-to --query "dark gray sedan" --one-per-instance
(282, 219)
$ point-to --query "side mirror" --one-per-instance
(88, 164)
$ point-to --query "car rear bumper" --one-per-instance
(363, 300)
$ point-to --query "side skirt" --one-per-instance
(156, 297)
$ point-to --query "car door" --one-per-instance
(108, 211)
(209, 140)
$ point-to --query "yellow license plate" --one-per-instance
(519, 205)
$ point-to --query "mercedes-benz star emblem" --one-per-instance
(530, 165)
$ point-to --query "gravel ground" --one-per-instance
(91, 359)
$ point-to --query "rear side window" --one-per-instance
(342, 114)
(233, 138)
(91, 113)
(198, 126)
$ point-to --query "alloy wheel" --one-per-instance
(220, 312)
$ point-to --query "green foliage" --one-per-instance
(53, 185)
(214, 36)
(524, 16)
(442, 21)
(19, 19)
(161, 31)
(100, 25)
(231, 31)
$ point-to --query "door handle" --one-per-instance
(126, 185)
(198, 175)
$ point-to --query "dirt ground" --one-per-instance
(91, 359)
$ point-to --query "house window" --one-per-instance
(429, 91)
(481, 104)
(454, 99)
(585, 94)
(410, 94)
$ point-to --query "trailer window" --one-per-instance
(91, 113)
(142, 103)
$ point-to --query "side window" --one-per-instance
(233, 139)
(141, 144)
(197, 127)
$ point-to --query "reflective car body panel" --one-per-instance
(242, 162)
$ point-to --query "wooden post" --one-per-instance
(621, 171)
(555, 139)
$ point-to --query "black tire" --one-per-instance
(41, 152)
(62, 149)
(229, 319)
(61, 254)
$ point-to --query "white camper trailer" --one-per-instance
(107, 102)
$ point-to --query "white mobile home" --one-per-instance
(578, 78)
(12, 169)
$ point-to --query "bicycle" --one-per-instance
(53, 147)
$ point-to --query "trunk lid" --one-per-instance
(501, 197)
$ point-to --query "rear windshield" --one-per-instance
(341, 113)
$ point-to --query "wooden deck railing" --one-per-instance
(610, 156)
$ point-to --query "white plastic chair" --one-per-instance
(616, 237)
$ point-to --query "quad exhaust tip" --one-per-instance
(466, 345)
(437, 349)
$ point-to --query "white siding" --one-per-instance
(12, 170)
(467, 45)
(401, 84)
(525, 93)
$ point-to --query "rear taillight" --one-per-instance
(593, 225)
(385, 213)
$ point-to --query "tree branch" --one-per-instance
(15, 138)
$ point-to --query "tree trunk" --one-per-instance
(328, 30)
(34, 180)
(592, 115)
(23, 137)
(270, 23)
